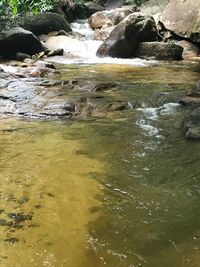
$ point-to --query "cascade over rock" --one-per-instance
(106, 18)
(125, 37)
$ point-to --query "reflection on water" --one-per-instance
(120, 192)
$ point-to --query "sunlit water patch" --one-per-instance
(47, 196)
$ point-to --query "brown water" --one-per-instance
(123, 191)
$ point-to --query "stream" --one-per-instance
(121, 190)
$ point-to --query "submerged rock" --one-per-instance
(33, 97)
(191, 99)
(125, 37)
(159, 50)
(47, 99)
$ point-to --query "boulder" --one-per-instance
(182, 17)
(45, 23)
(81, 12)
(94, 7)
(106, 18)
(192, 124)
(125, 37)
(118, 14)
(68, 44)
(72, 11)
(112, 4)
(159, 50)
(99, 20)
(103, 34)
(190, 50)
(19, 40)
(191, 99)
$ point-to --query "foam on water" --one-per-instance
(86, 53)
(152, 114)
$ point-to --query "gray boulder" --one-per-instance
(182, 17)
(45, 23)
(190, 50)
(94, 7)
(19, 40)
(125, 37)
(159, 50)
(112, 4)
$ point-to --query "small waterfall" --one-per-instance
(83, 46)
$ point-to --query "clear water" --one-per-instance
(122, 191)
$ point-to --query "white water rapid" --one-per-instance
(82, 47)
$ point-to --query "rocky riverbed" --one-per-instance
(32, 89)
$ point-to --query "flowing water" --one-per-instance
(120, 191)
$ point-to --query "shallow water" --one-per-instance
(120, 191)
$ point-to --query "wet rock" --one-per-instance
(118, 14)
(62, 32)
(159, 50)
(20, 217)
(191, 124)
(19, 40)
(57, 52)
(46, 98)
(92, 87)
(117, 106)
(1, 211)
(191, 99)
(68, 44)
(5, 223)
(34, 98)
(23, 200)
(103, 33)
(7, 106)
(21, 56)
(96, 107)
(190, 50)
(11, 240)
(45, 23)
(126, 36)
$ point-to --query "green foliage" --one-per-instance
(20, 6)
